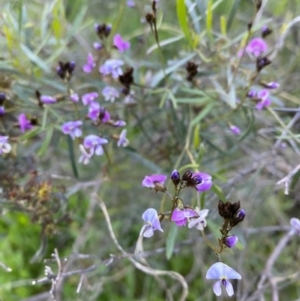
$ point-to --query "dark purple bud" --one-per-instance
(265, 31)
(71, 66)
(231, 241)
(241, 214)
(187, 175)
(2, 110)
(2, 98)
(175, 177)
(251, 94)
(262, 63)
(195, 180)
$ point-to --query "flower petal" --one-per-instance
(217, 288)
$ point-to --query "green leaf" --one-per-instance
(209, 17)
(232, 13)
(160, 75)
(196, 140)
(249, 127)
(171, 238)
(218, 191)
(203, 113)
(72, 156)
(182, 18)
(46, 142)
(34, 58)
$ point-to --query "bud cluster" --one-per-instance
(65, 70)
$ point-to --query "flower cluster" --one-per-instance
(182, 214)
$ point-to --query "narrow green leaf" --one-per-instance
(72, 156)
(196, 140)
(218, 191)
(232, 13)
(199, 101)
(160, 75)
(223, 26)
(182, 18)
(209, 17)
(46, 142)
(249, 127)
(203, 113)
(34, 58)
(171, 238)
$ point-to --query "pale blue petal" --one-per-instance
(217, 288)
(229, 288)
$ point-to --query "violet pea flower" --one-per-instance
(47, 99)
(295, 223)
(155, 182)
(72, 128)
(222, 273)
(206, 181)
(199, 221)
(89, 98)
(5, 147)
(123, 141)
(24, 123)
(90, 64)
(181, 216)
(94, 143)
(150, 216)
(120, 44)
(113, 67)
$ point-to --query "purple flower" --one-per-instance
(199, 221)
(5, 147)
(24, 123)
(113, 67)
(2, 110)
(90, 64)
(74, 97)
(94, 110)
(97, 45)
(120, 44)
(85, 156)
(265, 101)
(295, 223)
(234, 129)
(205, 183)
(251, 94)
(222, 272)
(256, 47)
(94, 143)
(181, 216)
(104, 115)
(89, 97)
(72, 128)
(47, 99)
(155, 182)
(152, 223)
(272, 85)
(110, 93)
(231, 241)
(119, 123)
(130, 3)
(123, 141)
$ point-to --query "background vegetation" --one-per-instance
(172, 124)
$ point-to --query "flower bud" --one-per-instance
(175, 177)
(262, 63)
(231, 241)
(266, 31)
(187, 175)
(2, 98)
